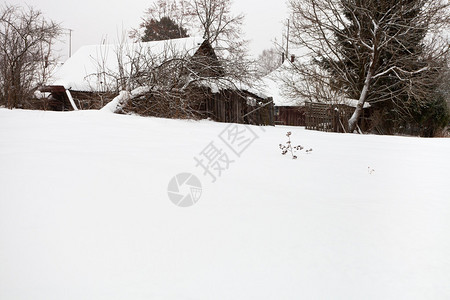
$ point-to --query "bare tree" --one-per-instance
(372, 50)
(223, 30)
(169, 77)
(211, 18)
(214, 20)
(26, 39)
(157, 73)
(268, 61)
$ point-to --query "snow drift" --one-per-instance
(85, 214)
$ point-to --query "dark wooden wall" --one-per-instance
(229, 106)
(290, 115)
(232, 107)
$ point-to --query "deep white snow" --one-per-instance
(85, 214)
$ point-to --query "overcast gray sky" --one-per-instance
(94, 20)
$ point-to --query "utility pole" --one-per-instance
(287, 39)
(70, 42)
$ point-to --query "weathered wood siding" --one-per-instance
(290, 115)
(331, 117)
(232, 107)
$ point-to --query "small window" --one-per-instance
(277, 111)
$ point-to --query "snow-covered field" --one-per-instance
(85, 213)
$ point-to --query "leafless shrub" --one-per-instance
(288, 148)
(26, 40)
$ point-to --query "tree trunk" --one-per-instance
(123, 98)
(353, 121)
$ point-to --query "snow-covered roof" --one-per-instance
(95, 68)
(274, 85)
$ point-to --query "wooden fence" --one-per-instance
(330, 117)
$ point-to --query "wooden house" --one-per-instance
(287, 110)
(94, 75)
